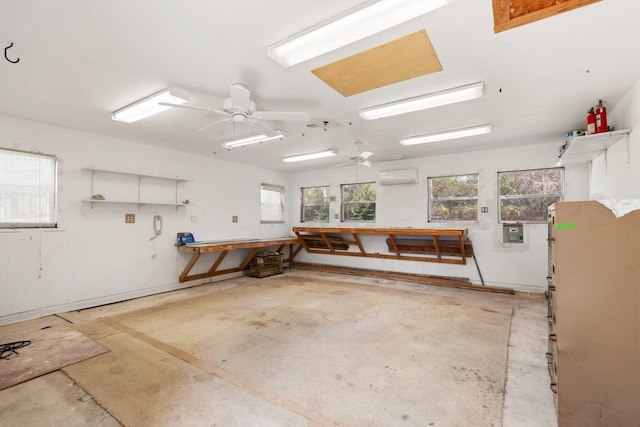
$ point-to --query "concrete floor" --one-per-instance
(301, 349)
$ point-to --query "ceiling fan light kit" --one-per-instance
(310, 156)
(251, 139)
(423, 102)
(446, 135)
(369, 18)
(149, 106)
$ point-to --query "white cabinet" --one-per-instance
(134, 188)
(584, 149)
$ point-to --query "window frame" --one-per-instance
(327, 198)
(343, 204)
(49, 213)
(528, 196)
(274, 189)
(430, 199)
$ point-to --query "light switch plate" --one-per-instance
(129, 218)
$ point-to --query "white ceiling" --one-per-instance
(81, 60)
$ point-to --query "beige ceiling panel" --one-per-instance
(402, 59)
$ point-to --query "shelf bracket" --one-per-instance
(92, 193)
(628, 149)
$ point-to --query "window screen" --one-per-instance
(27, 189)
(525, 195)
(271, 204)
(453, 198)
(359, 202)
(315, 204)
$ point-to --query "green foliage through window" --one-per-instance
(453, 198)
(359, 202)
(526, 195)
(315, 204)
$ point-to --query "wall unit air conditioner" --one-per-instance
(398, 176)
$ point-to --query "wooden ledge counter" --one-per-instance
(448, 246)
(199, 248)
(333, 241)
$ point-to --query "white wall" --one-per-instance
(617, 174)
(94, 257)
(517, 266)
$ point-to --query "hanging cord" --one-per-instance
(10, 348)
(7, 58)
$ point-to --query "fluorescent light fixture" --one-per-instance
(148, 106)
(436, 99)
(445, 135)
(369, 18)
(310, 156)
(251, 139)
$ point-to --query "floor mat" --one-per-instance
(49, 350)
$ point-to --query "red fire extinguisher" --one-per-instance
(601, 118)
(591, 122)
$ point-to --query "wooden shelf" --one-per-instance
(584, 149)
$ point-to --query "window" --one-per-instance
(315, 204)
(453, 198)
(526, 195)
(27, 189)
(271, 204)
(359, 202)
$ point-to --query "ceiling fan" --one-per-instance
(365, 158)
(239, 108)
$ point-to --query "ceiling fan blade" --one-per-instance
(340, 165)
(366, 154)
(366, 163)
(265, 129)
(195, 107)
(213, 123)
(239, 94)
(385, 158)
(283, 116)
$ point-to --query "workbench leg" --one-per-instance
(216, 264)
(192, 262)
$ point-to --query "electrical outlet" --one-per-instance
(129, 218)
(234, 218)
(484, 209)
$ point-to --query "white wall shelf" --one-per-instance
(140, 177)
(584, 149)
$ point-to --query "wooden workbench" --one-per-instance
(448, 246)
(346, 241)
(224, 247)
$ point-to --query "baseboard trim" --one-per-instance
(107, 299)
